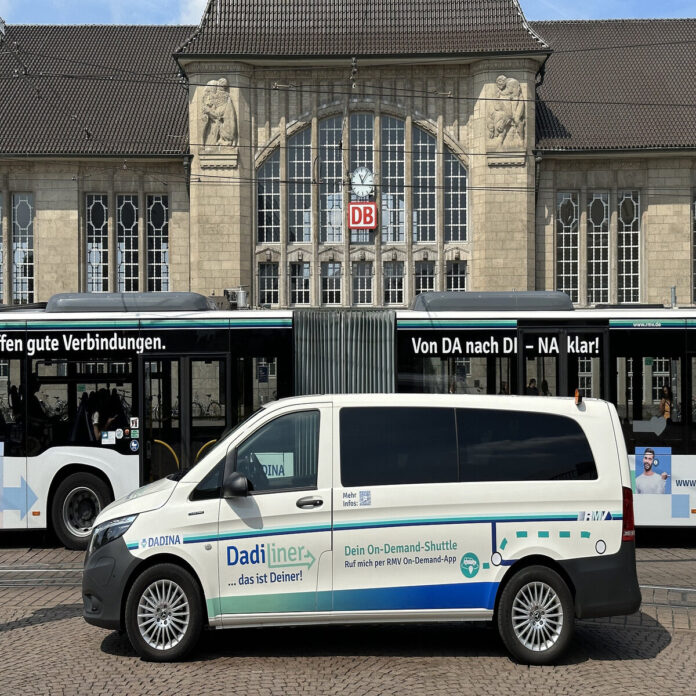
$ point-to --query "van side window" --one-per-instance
(519, 446)
(282, 454)
(389, 446)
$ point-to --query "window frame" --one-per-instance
(234, 450)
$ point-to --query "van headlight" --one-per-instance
(109, 531)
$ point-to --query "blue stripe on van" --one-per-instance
(465, 595)
(470, 595)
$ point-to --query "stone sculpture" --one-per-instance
(506, 113)
(218, 114)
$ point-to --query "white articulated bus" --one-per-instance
(101, 393)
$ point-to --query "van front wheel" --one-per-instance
(535, 615)
(164, 613)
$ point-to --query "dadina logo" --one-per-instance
(469, 565)
(143, 543)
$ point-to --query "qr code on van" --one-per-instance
(365, 497)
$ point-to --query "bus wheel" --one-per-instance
(164, 613)
(78, 500)
(536, 616)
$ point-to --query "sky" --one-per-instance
(190, 11)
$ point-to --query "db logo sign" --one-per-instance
(362, 216)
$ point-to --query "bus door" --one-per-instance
(161, 416)
(557, 361)
(184, 411)
(208, 398)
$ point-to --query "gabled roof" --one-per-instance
(92, 90)
(306, 28)
(618, 84)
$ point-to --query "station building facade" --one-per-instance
(501, 155)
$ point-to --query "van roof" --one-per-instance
(560, 404)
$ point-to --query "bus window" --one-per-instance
(585, 374)
(540, 376)
(458, 375)
(74, 402)
(649, 402)
(12, 408)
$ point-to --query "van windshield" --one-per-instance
(178, 475)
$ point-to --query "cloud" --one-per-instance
(190, 11)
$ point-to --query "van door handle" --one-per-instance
(309, 502)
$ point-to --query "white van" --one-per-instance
(374, 508)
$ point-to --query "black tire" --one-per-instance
(77, 501)
(542, 605)
(144, 638)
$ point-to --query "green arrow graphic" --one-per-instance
(309, 563)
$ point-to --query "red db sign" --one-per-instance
(362, 216)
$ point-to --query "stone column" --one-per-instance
(222, 176)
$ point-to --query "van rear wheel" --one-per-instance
(536, 615)
(164, 613)
(78, 499)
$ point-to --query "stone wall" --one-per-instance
(59, 189)
(666, 186)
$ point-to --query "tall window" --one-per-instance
(362, 131)
(456, 275)
(423, 181)
(393, 198)
(567, 268)
(127, 257)
(22, 248)
(331, 190)
(331, 283)
(299, 283)
(269, 200)
(362, 282)
(97, 221)
(158, 243)
(300, 187)
(598, 247)
(268, 284)
(693, 241)
(455, 199)
(629, 246)
(2, 254)
(393, 282)
(424, 276)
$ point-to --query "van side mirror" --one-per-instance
(235, 485)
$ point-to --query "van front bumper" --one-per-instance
(605, 585)
(103, 582)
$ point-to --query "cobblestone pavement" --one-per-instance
(47, 648)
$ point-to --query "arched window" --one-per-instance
(414, 184)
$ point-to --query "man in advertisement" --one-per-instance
(651, 481)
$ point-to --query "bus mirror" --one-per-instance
(235, 485)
